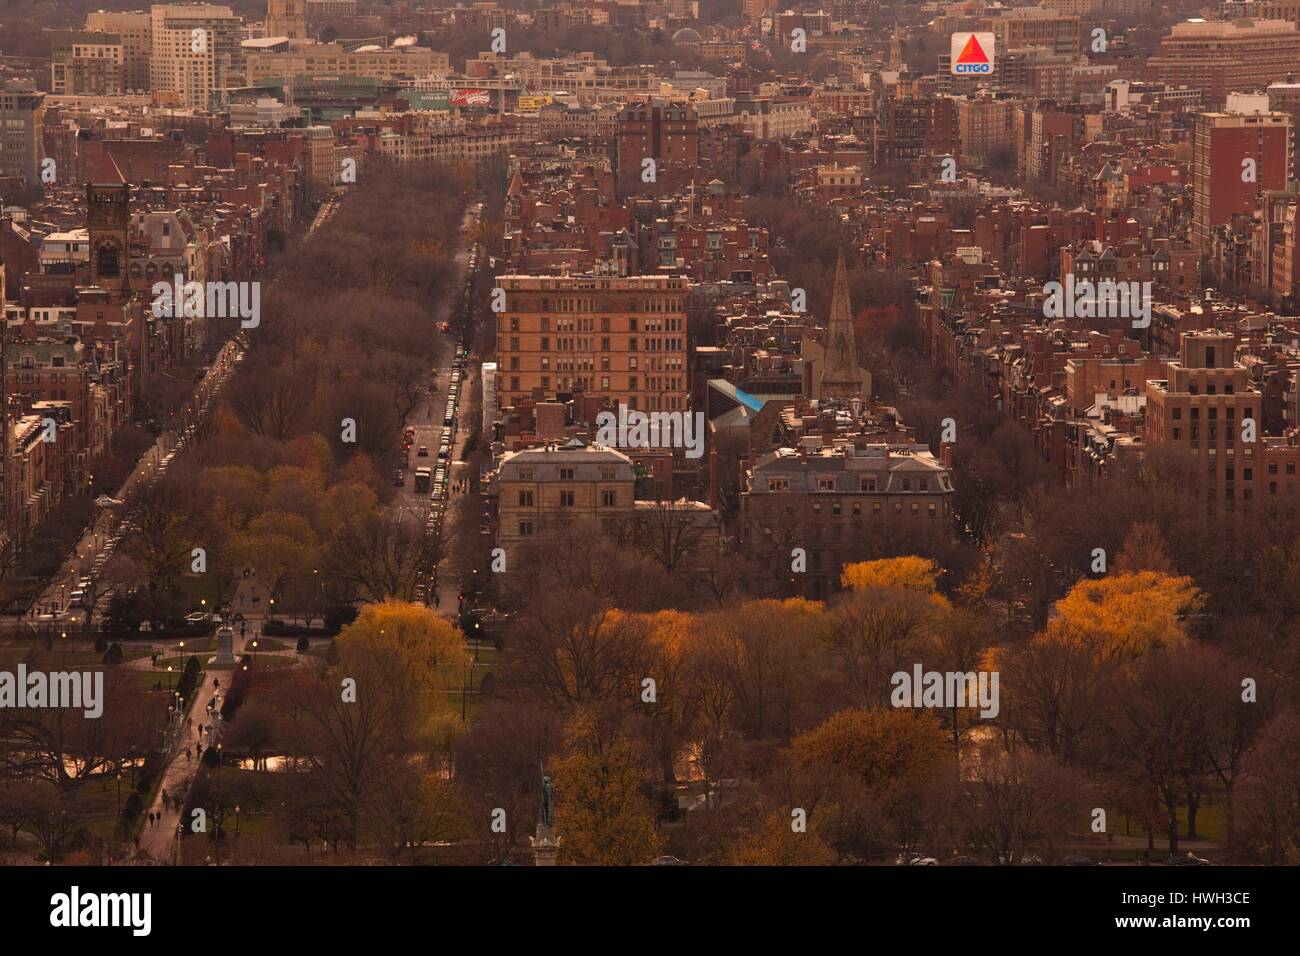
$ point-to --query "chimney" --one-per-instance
(945, 453)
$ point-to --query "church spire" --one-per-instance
(841, 377)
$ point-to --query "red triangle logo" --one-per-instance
(972, 52)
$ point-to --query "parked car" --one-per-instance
(399, 478)
(422, 451)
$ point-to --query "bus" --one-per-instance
(422, 478)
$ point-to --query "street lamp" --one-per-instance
(169, 677)
(236, 818)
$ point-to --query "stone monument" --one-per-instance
(225, 645)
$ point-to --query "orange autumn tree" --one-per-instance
(909, 573)
(1127, 615)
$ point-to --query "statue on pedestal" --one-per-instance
(546, 844)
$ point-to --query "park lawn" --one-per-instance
(1211, 822)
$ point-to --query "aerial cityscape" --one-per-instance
(650, 432)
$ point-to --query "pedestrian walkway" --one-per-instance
(158, 842)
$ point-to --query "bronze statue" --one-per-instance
(548, 802)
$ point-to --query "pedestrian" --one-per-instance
(166, 803)
(437, 600)
(151, 819)
(187, 754)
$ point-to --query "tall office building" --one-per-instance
(1234, 157)
(286, 18)
(196, 52)
(622, 338)
(135, 30)
(22, 122)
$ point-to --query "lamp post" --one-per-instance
(236, 818)
(169, 678)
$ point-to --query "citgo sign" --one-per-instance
(972, 54)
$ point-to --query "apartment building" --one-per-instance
(984, 122)
(135, 30)
(1034, 28)
(195, 52)
(833, 501)
(1200, 407)
(537, 489)
(620, 338)
(1234, 157)
(667, 134)
(22, 121)
(86, 64)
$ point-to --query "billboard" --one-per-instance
(531, 104)
(471, 98)
(972, 54)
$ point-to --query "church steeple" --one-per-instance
(108, 220)
(841, 377)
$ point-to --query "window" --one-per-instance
(525, 499)
(566, 499)
(825, 484)
(778, 484)
(566, 474)
(525, 528)
(608, 498)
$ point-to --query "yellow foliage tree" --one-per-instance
(1126, 615)
(774, 842)
(430, 650)
(876, 746)
(601, 812)
(908, 574)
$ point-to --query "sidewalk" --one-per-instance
(159, 841)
